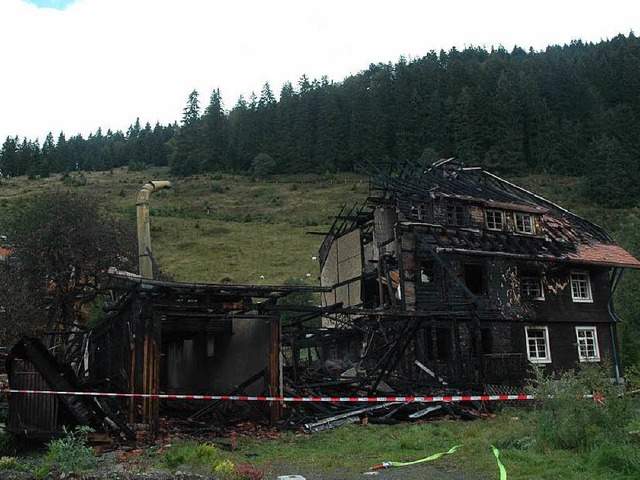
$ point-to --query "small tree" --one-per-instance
(262, 166)
(64, 245)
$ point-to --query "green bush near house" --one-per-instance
(568, 420)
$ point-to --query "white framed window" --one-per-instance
(524, 222)
(587, 338)
(538, 350)
(495, 219)
(581, 286)
(531, 287)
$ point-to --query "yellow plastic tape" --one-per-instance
(435, 456)
(503, 471)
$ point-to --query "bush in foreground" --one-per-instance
(70, 454)
(586, 412)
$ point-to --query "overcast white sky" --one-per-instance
(76, 65)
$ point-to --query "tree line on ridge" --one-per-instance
(567, 110)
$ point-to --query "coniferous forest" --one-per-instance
(569, 110)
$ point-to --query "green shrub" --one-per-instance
(567, 420)
(74, 179)
(205, 459)
(216, 187)
(70, 454)
(262, 166)
(137, 166)
(9, 463)
(7, 446)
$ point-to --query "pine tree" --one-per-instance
(188, 156)
(215, 125)
(9, 157)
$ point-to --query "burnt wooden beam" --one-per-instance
(275, 408)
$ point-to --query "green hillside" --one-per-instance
(213, 226)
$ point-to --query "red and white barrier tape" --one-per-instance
(243, 398)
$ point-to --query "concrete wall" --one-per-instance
(189, 366)
(344, 263)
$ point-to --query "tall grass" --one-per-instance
(586, 412)
(69, 455)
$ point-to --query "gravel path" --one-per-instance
(414, 472)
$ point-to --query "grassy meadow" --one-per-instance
(216, 226)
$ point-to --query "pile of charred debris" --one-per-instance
(365, 359)
(316, 362)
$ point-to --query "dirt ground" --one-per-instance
(105, 469)
(413, 472)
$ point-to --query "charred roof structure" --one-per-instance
(157, 337)
(452, 276)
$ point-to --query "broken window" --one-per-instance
(524, 223)
(581, 286)
(424, 211)
(427, 273)
(538, 344)
(474, 278)
(588, 344)
(495, 219)
(531, 286)
(455, 215)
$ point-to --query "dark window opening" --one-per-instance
(487, 341)
(455, 215)
(474, 278)
(443, 344)
(424, 212)
(371, 292)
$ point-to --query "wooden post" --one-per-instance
(150, 375)
(145, 366)
(275, 412)
(132, 373)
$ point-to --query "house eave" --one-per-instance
(539, 258)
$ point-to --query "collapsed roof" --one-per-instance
(566, 237)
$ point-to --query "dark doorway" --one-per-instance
(474, 278)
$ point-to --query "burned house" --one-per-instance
(454, 276)
(447, 279)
